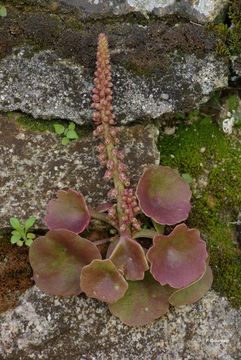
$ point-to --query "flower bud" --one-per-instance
(110, 164)
(123, 227)
(108, 175)
(112, 194)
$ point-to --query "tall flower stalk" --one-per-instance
(138, 282)
(126, 207)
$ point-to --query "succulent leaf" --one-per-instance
(111, 248)
(101, 280)
(179, 258)
(193, 292)
(69, 211)
(164, 195)
(144, 301)
(57, 259)
(129, 258)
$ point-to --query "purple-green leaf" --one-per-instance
(102, 280)
(179, 258)
(129, 258)
(164, 195)
(111, 247)
(57, 259)
(144, 301)
(193, 292)
(69, 211)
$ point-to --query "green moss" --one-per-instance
(28, 122)
(225, 257)
(229, 38)
(180, 145)
(39, 125)
(136, 69)
(202, 149)
(74, 24)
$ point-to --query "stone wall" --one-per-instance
(165, 61)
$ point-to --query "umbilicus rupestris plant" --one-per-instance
(138, 283)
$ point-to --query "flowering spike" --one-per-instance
(109, 154)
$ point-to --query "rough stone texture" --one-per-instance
(34, 165)
(236, 65)
(159, 67)
(43, 327)
(198, 10)
(45, 85)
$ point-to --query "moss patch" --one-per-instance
(39, 125)
(202, 150)
(229, 37)
(28, 122)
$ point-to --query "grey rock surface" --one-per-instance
(236, 65)
(45, 85)
(33, 166)
(43, 327)
(198, 10)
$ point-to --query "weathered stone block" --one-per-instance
(33, 166)
(43, 327)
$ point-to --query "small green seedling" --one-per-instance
(67, 134)
(3, 11)
(20, 234)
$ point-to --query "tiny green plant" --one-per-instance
(21, 234)
(3, 11)
(142, 270)
(68, 133)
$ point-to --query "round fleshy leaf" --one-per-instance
(101, 280)
(69, 211)
(144, 301)
(193, 292)
(164, 195)
(129, 258)
(111, 248)
(57, 259)
(179, 258)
